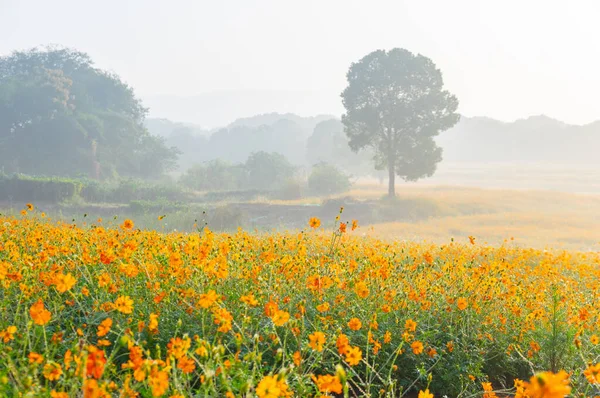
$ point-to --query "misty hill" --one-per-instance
(166, 128)
(537, 139)
(306, 140)
(286, 134)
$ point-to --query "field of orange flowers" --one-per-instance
(109, 310)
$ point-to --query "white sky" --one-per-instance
(506, 59)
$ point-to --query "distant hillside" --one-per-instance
(273, 132)
(538, 139)
(166, 127)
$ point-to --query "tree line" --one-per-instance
(61, 115)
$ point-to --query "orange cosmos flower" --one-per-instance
(410, 325)
(39, 314)
(186, 364)
(8, 334)
(461, 303)
(95, 362)
(314, 222)
(104, 327)
(29, 206)
(417, 347)
(343, 227)
(328, 383)
(159, 382)
(36, 358)
(208, 299)
(354, 324)
(592, 374)
(361, 290)
(52, 371)
(127, 224)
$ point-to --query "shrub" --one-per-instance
(33, 189)
(327, 179)
(215, 175)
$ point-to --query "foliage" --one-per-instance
(395, 103)
(215, 175)
(59, 115)
(113, 310)
(268, 170)
(25, 188)
(329, 144)
(326, 179)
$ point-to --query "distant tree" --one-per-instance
(328, 143)
(215, 175)
(326, 179)
(268, 170)
(396, 104)
(59, 115)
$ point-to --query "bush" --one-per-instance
(131, 190)
(292, 189)
(216, 175)
(327, 179)
(32, 189)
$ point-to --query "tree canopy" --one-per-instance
(60, 115)
(396, 104)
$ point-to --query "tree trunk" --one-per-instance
(391, 180)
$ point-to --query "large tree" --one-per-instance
(59, 115)
(396, 104)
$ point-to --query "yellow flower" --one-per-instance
(410, 325)
(317, 340)
(153, 324)
(208, 299)
(124, 304)
(8, 334)
(64, 282)
(314, 222)
(249, 300)
(353, 356)
(425, 394)
(280, 317)
(268, 387)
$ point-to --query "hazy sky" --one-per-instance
(506, 59)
